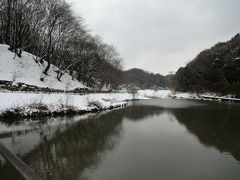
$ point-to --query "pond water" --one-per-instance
(149, 140)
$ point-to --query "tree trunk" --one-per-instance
(19, 53)
(7, 35)
(47, 68)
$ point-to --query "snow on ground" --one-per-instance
(155, 94)
(29, 103)
(166, 94)
(54, 101)
(184, 95)
(26, 70)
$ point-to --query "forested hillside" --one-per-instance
(49, 30)
(216, 69)
(143, 79)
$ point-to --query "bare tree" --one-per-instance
(49, 30)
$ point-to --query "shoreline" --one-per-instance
(33, 105)
(15, 113)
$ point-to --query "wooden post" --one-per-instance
(25, 171)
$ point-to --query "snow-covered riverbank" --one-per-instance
(22, 104)
(149, 93)
(32, 104)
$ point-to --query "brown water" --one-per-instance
(151, 140)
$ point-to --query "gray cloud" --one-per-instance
(159, 35)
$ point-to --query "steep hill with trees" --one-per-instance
(49, 30)
(216, 69)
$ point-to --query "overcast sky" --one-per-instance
(160, 35)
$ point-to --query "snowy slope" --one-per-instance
(26, 70)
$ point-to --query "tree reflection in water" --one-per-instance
(72, 150)
(216, 127)
(68, 153)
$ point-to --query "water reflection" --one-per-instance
(73, 150)
(68, 152)
(219, 128)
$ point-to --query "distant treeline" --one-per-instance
(144, 79)
(216, 69)
(49, 30)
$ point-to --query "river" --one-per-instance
(149, 140)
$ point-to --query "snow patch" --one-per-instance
(26, 70)
(155, 94)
